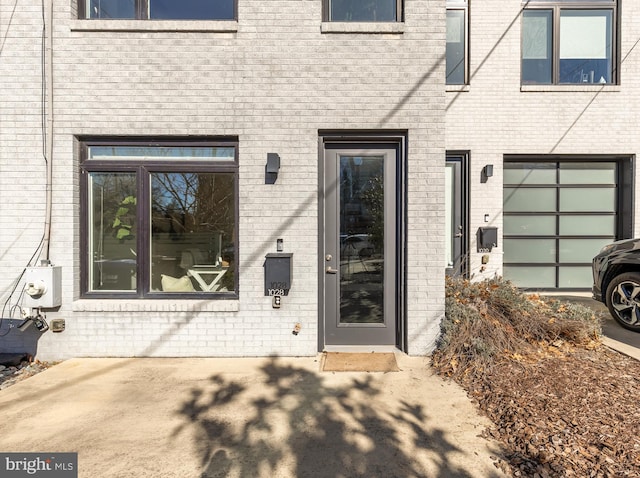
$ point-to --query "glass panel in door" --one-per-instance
(361, 239)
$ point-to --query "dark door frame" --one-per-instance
(367, 139)
(460, 244)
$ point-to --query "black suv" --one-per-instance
(616, 281)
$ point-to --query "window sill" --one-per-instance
(150, 305)
(364, 27)
(219, 26)
(570, 88)
(457, 88)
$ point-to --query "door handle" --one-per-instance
(330, 270)
(458, 235)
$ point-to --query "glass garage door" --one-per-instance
(557, 216)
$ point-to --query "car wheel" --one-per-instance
(623, 300)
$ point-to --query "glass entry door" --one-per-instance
(360, 246)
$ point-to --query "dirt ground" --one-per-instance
(572, 413)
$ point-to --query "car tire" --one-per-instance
(623, 300)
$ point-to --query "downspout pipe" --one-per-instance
(49, 129)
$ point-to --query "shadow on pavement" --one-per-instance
(298, 426)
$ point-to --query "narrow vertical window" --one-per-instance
(113, 225)
(456, 52)
(536, 46)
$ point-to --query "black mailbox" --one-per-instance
(277, 273)
(487, 238)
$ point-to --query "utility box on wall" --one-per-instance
(43, 287)
(277, 273)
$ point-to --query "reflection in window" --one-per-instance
(166, 153)
(191, 9)
(160, 9)
(192, 221)
(585, 46)
(117, 9)
(113, 230)
(160, 226)
(363, 11)
(536, 46)
(362, 239)
(562, 44)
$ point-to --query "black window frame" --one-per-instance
(143, 170)
(625, 211)
(556, 7)
(326, 13)
(142, 13)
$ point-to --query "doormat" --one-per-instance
(359, 362)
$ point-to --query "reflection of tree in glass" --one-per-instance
(197, 210)
(124, 223)
(372, 195)
(114, 204)
(194, 202)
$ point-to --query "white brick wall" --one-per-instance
(274, 83)
(495, 116)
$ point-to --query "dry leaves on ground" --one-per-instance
(562, 404)
(572, 415)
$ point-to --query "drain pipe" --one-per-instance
(49, 128)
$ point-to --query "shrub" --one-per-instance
(492, 320)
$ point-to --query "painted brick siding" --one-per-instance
(274, 83)
(495, 116)
(22, 165)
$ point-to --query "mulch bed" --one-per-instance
(573, 413)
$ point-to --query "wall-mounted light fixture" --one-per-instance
(272, 168)
(487, 172)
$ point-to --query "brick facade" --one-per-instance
(495, 116)
(274, 79)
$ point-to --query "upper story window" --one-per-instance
(158, 9)
(159, 218)
(363, 11)
(456, 53)
(569, 42)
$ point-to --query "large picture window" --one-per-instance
(158, 9)
(456, 52)
(570, 42)
(363, 11)
(159, 217)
